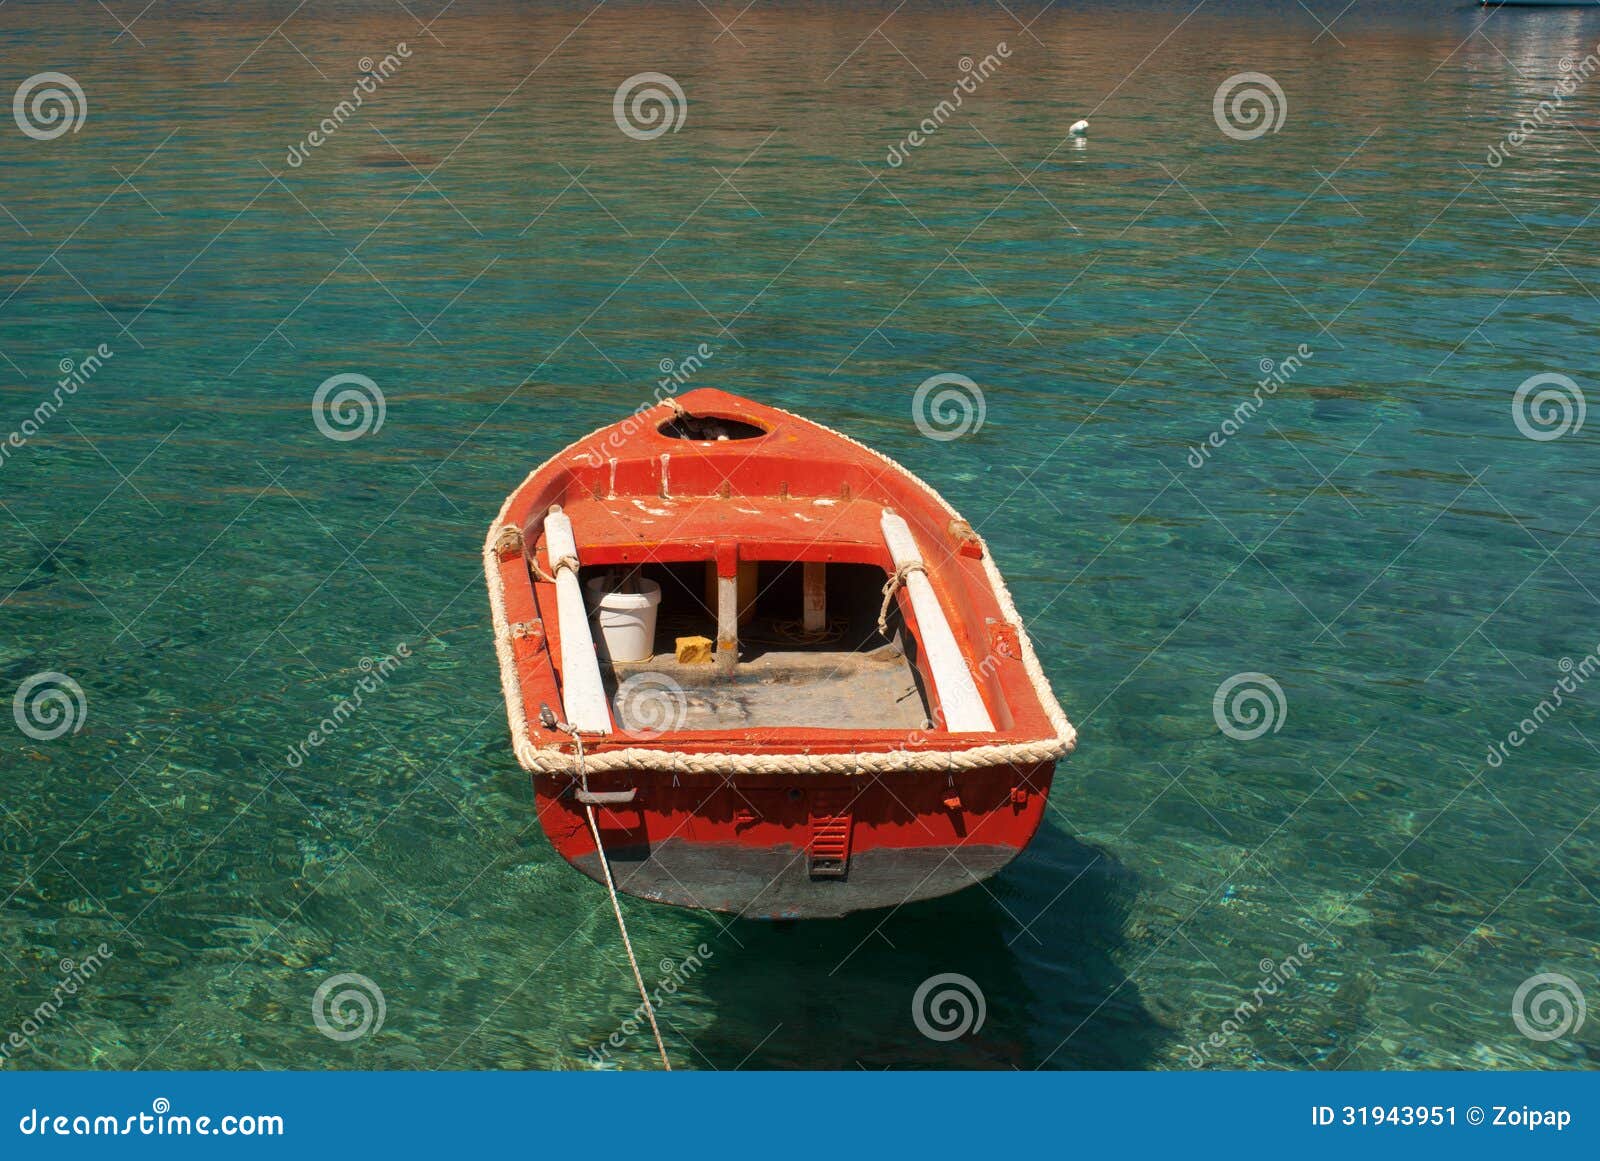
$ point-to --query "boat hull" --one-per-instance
(874, 727)
(800, 849)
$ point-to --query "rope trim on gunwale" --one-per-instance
(553, 760)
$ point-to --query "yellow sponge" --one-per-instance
(694, 650)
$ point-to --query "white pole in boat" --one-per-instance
(583, 696)
(814, 596)
(727, 623)
(964, 711)
(727, 569)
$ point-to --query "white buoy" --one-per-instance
(1079, 128)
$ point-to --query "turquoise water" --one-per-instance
(1378, 537)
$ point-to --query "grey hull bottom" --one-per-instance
(777, 883)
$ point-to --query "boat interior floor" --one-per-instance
(777, 682)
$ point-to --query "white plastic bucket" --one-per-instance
(627, 620)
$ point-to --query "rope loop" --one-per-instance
(892, 586)
(556, 566)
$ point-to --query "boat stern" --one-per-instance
(806, 848)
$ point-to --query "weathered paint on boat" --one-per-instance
(774, 822)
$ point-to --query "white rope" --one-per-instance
(857, 763)
(556, 566)
(890, 587)
(616, 904)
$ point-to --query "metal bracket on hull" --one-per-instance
(606, 797)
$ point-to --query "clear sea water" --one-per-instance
(1379, 538)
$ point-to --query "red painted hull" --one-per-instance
(745, 849)
(777, 821)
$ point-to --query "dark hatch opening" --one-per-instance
(709, 427)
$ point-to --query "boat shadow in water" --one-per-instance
(865, 991)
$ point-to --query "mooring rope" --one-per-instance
(616, 904)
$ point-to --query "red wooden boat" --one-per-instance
(871, 725)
